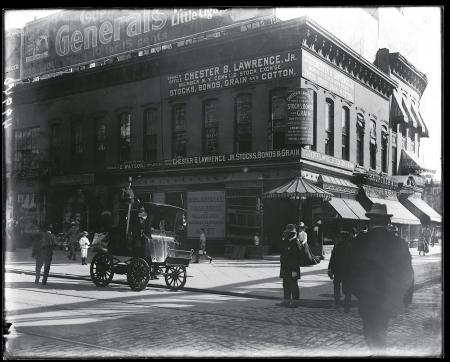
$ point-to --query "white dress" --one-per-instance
(84, 246)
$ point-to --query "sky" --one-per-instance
(416, 35)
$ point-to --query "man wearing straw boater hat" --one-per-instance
(380, 274)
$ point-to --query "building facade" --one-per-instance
(208, 127)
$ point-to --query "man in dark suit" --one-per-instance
(43, 252)
(290, 267)
(380, 275)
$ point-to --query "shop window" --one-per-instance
(373, 145)
(360, 139)
(345, 133)
(243, 112)
(278, 118)
(210, 127)
(100, 143)
(26, 151)
(150, 134)
(76, 144)
(384, 148)
(125, 137)
(179, 130)
(329, 127)
(314, 145)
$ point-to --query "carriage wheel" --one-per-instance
(175, 277)
(138, 274)
(102, 269)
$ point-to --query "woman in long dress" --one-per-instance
(306, 257)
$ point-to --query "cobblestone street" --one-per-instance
(72, 322)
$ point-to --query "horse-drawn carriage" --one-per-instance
(146, 248)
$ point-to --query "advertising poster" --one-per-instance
(12, 45)
(300, 110)
(206, 209)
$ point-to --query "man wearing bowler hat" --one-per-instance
(380, 275)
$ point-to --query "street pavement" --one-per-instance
(227, 310)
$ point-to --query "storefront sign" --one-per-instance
(74, 37)
(326, 159)
(83, 179)
(317, 71)
(223, 159)
(242, 72)
(300, 117)
(206, 209)
(13, 43)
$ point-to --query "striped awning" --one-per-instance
(348, 208)
(418, 206)
(296, 189)
(400, 214)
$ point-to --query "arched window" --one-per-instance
(329, 127)
(150, 134)
(179, 137)
(384, 148)
(360, 139)
(345, 133)
(243, 119)
(278, 118)
(210, 127)
(373, 145)
(125, 137)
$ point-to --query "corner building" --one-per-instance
(205, 127)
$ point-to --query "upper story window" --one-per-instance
(100, 142)
(278, 118)
(125, 137)
(76, 144)
(345, 133)
(179, 136)
(360, 124)
(210, 127)
(26, 150)
(373, 145)
(384, 148)
(150, 134)
(243, 112)
(329, 127)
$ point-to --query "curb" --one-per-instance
(309, 303)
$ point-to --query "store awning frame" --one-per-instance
(419, 207)
(400, 214)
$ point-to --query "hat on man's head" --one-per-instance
(378, 210)
(85, 233)
(142, 213)
(290, 228)
(302, 224)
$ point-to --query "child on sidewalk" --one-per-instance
(84, 246)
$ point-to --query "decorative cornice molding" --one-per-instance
(408, 73)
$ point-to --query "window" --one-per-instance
(278, 118)
(412, 141)
(179, 130)
(210, 127)
(100, 142)
(243, 112)
(329, 127)
(76, 144)
(394, 158)
(345, 133)
(150, 134)
(384, 148)
(314, 145)
(55, 145)
(125, 137)
(373, 145)
(26, 148)
(360, 139)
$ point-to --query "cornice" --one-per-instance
(408, 73)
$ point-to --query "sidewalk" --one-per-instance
(245, 277)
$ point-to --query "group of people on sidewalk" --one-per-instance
(374, 265)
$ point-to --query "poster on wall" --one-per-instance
(206, 209)
(299, 103)
(12, 44)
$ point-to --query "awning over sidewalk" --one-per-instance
(400, 214)
(398, 106)
(409, 162)
(420, 208)
(348, 208)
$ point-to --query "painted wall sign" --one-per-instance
(206, 209)
(12, 48)
(317, 71)
(300, 117)
(74, 37)
(241, 72)
(222, 159)
(326, 159)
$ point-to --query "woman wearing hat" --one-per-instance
(306, 258)
(84, 246)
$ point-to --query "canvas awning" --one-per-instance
(409, 162)
(400, 214)
(332, 183)
(420, 208)
(398, 103)
(348, 208)
(296, 189)
(415, 109)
